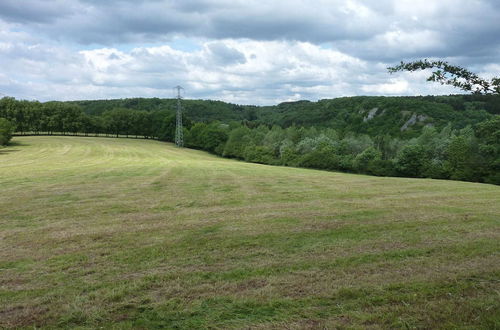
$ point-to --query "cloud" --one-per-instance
(241, 51)
(240, 71)
(224, 55)
(34, 12)
(447, 28)
(111, 22)
(385, 30)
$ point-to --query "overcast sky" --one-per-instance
(240, 51)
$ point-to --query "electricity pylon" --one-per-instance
(179, 134)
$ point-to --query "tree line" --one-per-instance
(469, 154)
(32, 117)
(468, 149)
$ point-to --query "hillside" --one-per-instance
(377, 115)
(348, 114)
(97, 232)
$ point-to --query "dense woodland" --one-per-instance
(446, 137)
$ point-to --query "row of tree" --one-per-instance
(467, 152)
(31, 117)
(470, 154)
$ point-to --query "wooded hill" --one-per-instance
(446, 137)
(371, 115)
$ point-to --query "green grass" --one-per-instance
(123, 233)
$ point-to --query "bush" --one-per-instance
(381, 167)
(6, 130)
(324, 158)
(364, 162)
(260, 154)
(411, 161)
(237, 140)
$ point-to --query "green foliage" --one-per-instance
(367, 161)
(488, 136)
(166, 131)
(462, 161)
(489, 131)
(259, 154)
(210, 137)
(236, 143)
(321, 158)
(197, 110)
(445, 137)
(411, 161)
(6, 130)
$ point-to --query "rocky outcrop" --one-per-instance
(372, 113)
(413, 120)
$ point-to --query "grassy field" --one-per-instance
(123, 233)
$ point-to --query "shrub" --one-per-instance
(6, 130)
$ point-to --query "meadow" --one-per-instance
(124, 233)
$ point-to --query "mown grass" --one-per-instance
(119, 233)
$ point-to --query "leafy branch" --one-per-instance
(453, 75)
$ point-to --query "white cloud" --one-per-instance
(394, 87)
(253, 72)
(240, 51)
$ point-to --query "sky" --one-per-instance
(240, 51)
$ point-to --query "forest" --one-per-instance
(443, 137)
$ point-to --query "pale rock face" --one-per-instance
(421, 118)
(372, 113)
(413, 120)
(409, 122)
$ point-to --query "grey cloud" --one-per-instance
(224, 55)
(463, 30)
(112, 22)
(194, 5)
(114, 56)
(355, 27)
(150, 22)
(32, 11)
(39, 42)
